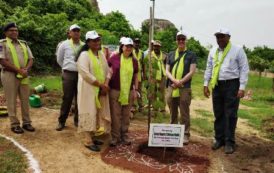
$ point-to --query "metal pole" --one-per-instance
(152, 25)
(149, 68)
(151, 36)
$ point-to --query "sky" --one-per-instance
(251, 22)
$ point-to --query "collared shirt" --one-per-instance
(5, 52)
(114, 63)
(190, 58)
(235, 65)
(66, 56)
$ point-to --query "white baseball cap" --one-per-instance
(74, 26)
(222, 31)
(121, 40)
(127, 41)
(184, 33)
(92, 35)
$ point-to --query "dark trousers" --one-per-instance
(70, 81)
(225, 106)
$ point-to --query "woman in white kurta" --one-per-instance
(93, 101)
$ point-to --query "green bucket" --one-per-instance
(40, 88)
(35, 101)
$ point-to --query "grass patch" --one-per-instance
(160, 117)
(251, 117)
(203, 126)
(256, 116)
(52, 83)
(262, 103)
(197, 86)
(12, 160)
(204, 113)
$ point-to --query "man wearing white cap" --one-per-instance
(227, 73)
(181, 66)
(66, 59)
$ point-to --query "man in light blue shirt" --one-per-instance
(66, 59)
(227, 73)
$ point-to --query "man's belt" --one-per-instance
(228, 81)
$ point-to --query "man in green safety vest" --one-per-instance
(158, 58)
(139, 55)
(16, 59)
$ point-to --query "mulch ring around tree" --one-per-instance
(138, 157)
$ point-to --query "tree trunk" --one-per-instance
(273, 84)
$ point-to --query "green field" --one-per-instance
(260, 112)
(12, 160)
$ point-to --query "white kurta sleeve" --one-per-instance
(83, 65)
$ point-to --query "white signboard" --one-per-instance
(166, 135)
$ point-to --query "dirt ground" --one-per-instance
(63, 151)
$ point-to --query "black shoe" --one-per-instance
(229, 149)
(216, 145)
(126, 142)
(60, 127)
(98, 142)
(17, 130)
(28, 127)
(93, 148)
(113, 143)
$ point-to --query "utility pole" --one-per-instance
(151, 36)
(152, 24)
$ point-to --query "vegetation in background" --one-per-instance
(44, 24)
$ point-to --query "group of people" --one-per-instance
(105, 86)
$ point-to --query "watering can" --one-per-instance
(35, 101)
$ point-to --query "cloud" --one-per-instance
(250, 21)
